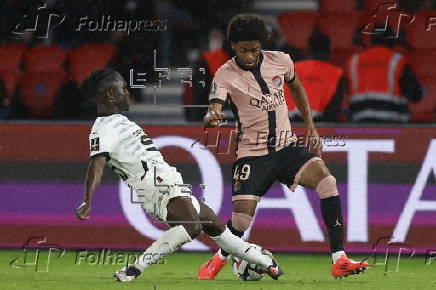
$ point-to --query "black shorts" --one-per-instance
(253, 176)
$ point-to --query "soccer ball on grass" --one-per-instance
(246, 271)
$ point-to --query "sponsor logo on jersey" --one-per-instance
(269, 102)
(95, 144)
(277, 81)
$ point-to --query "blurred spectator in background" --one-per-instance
(5, 102)
(380, 83)
(274, 41)
(11, 56)
(205, 70)
(324, 82)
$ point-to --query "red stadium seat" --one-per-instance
(46, 59)
(425, 110)
(340, 56)
(39, 91)
(341, 28)
(327, 6)
(11, 56)
(90, 57)
(297, 27)
(371, 5)
(422, 61)
(10, 80)
(416, 33)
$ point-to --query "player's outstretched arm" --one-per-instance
(300, 97)
(93, 179)
(214, 116)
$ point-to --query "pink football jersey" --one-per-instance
(257, 93)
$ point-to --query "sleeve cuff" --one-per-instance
(291, 80)
(216, 100)
(105, 154)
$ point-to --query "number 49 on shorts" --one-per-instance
(242, 173)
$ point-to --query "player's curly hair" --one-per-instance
(246, 27)
(91, 85)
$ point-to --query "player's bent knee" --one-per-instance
(241, 221)
(327, 187)
(193, 229)
(198, 228)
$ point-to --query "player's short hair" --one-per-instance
(92, 84)
(246, 27)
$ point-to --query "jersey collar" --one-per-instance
(256, 67)
(109, 114)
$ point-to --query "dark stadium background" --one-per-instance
(44, 142)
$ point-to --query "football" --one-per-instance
(246, 271)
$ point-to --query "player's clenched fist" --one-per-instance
(82, 211)
(213, 118)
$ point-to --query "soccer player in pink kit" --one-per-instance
(266, 148)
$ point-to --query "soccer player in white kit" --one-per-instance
(122, 145)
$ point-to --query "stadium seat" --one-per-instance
(327, 6)
(11, 56)
(416, 33)
(297, 27)
(341, 28)
(46, 59)
(11, 80)
(425, 110)
(340, 56)
(371, 5)
(90, 57)
(38, 92)
(422, 61)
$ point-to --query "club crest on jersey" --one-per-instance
(95, 144)
(277, 81)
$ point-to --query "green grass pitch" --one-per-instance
(180, 269)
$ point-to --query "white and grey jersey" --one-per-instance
(129, 152)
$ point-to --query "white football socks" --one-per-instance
(337, 255)
(241, 249)
(222, 256)
(165, 245)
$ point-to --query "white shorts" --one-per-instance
(155, 197)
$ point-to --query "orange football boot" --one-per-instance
(211, 268)
(344, 267)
